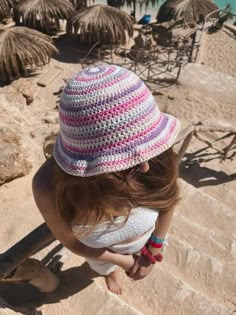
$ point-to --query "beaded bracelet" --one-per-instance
(155, 245)
(157, 239)
(156, 242)
(153, 259)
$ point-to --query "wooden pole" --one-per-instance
(134, 6)
(179, 70)
(99, 53)
(226, 149)
(148, 75)
(111, 54)
(184, 146)
(30, 244)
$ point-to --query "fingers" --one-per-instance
(133, 270)
(136, 267)
(140, 269)
(139, 275)
(142, 272)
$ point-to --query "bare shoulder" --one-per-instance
(44, 176)
(43, 184)
(45, 199)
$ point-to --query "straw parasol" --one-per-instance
(21, 50)
(5, 7)
(132, 4)
(188, 10)
(44, 13)
(102, 24)
(116, 3)
(78, 4)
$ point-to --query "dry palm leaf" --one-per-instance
(78, 4)
(5, 7)
(188, 10)
(44, 12)
(22, 49)
(103, 24)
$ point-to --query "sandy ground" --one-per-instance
(198, 274)
(219, 49)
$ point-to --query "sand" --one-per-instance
(219, 48)
(198, 273)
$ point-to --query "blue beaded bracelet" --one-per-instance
(157, 239)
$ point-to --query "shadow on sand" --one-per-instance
(72, 51)
(67, 50)
(200, 176)
(24, 298)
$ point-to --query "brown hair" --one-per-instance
(90, 198)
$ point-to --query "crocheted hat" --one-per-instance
(109, 121)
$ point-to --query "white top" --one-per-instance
(107, 234)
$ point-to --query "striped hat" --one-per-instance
(109, 121)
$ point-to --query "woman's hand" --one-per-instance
(140, 269)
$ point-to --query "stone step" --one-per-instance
(214, 278)
(215, 244)
(223, 193)
(75, 288)
(76, 294)
(92, 300)
(165, 293)
(205, 210)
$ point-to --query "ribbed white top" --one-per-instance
(106, 234)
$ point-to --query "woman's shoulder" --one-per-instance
(44, 196)
(43, 182)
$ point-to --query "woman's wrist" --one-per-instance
(150, 256)
(154, 251)
(155, 244)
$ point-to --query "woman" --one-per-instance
(109, 192)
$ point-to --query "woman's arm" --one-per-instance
(43, 196)
(142, 267)
(162, 226)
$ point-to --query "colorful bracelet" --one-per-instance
(155, 245)
(157, 239)
(153, 259)
(156, 242)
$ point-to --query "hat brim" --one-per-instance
(106, 163)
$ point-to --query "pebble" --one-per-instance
(51, 118)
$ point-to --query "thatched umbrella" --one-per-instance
(21, 50)
(43, 14)
(102, 24)
(78, 4)
(188, 10)
(5, 7)
(132, 4)
(116, 3)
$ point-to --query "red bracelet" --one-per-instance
(153, 259)
(155, 245)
